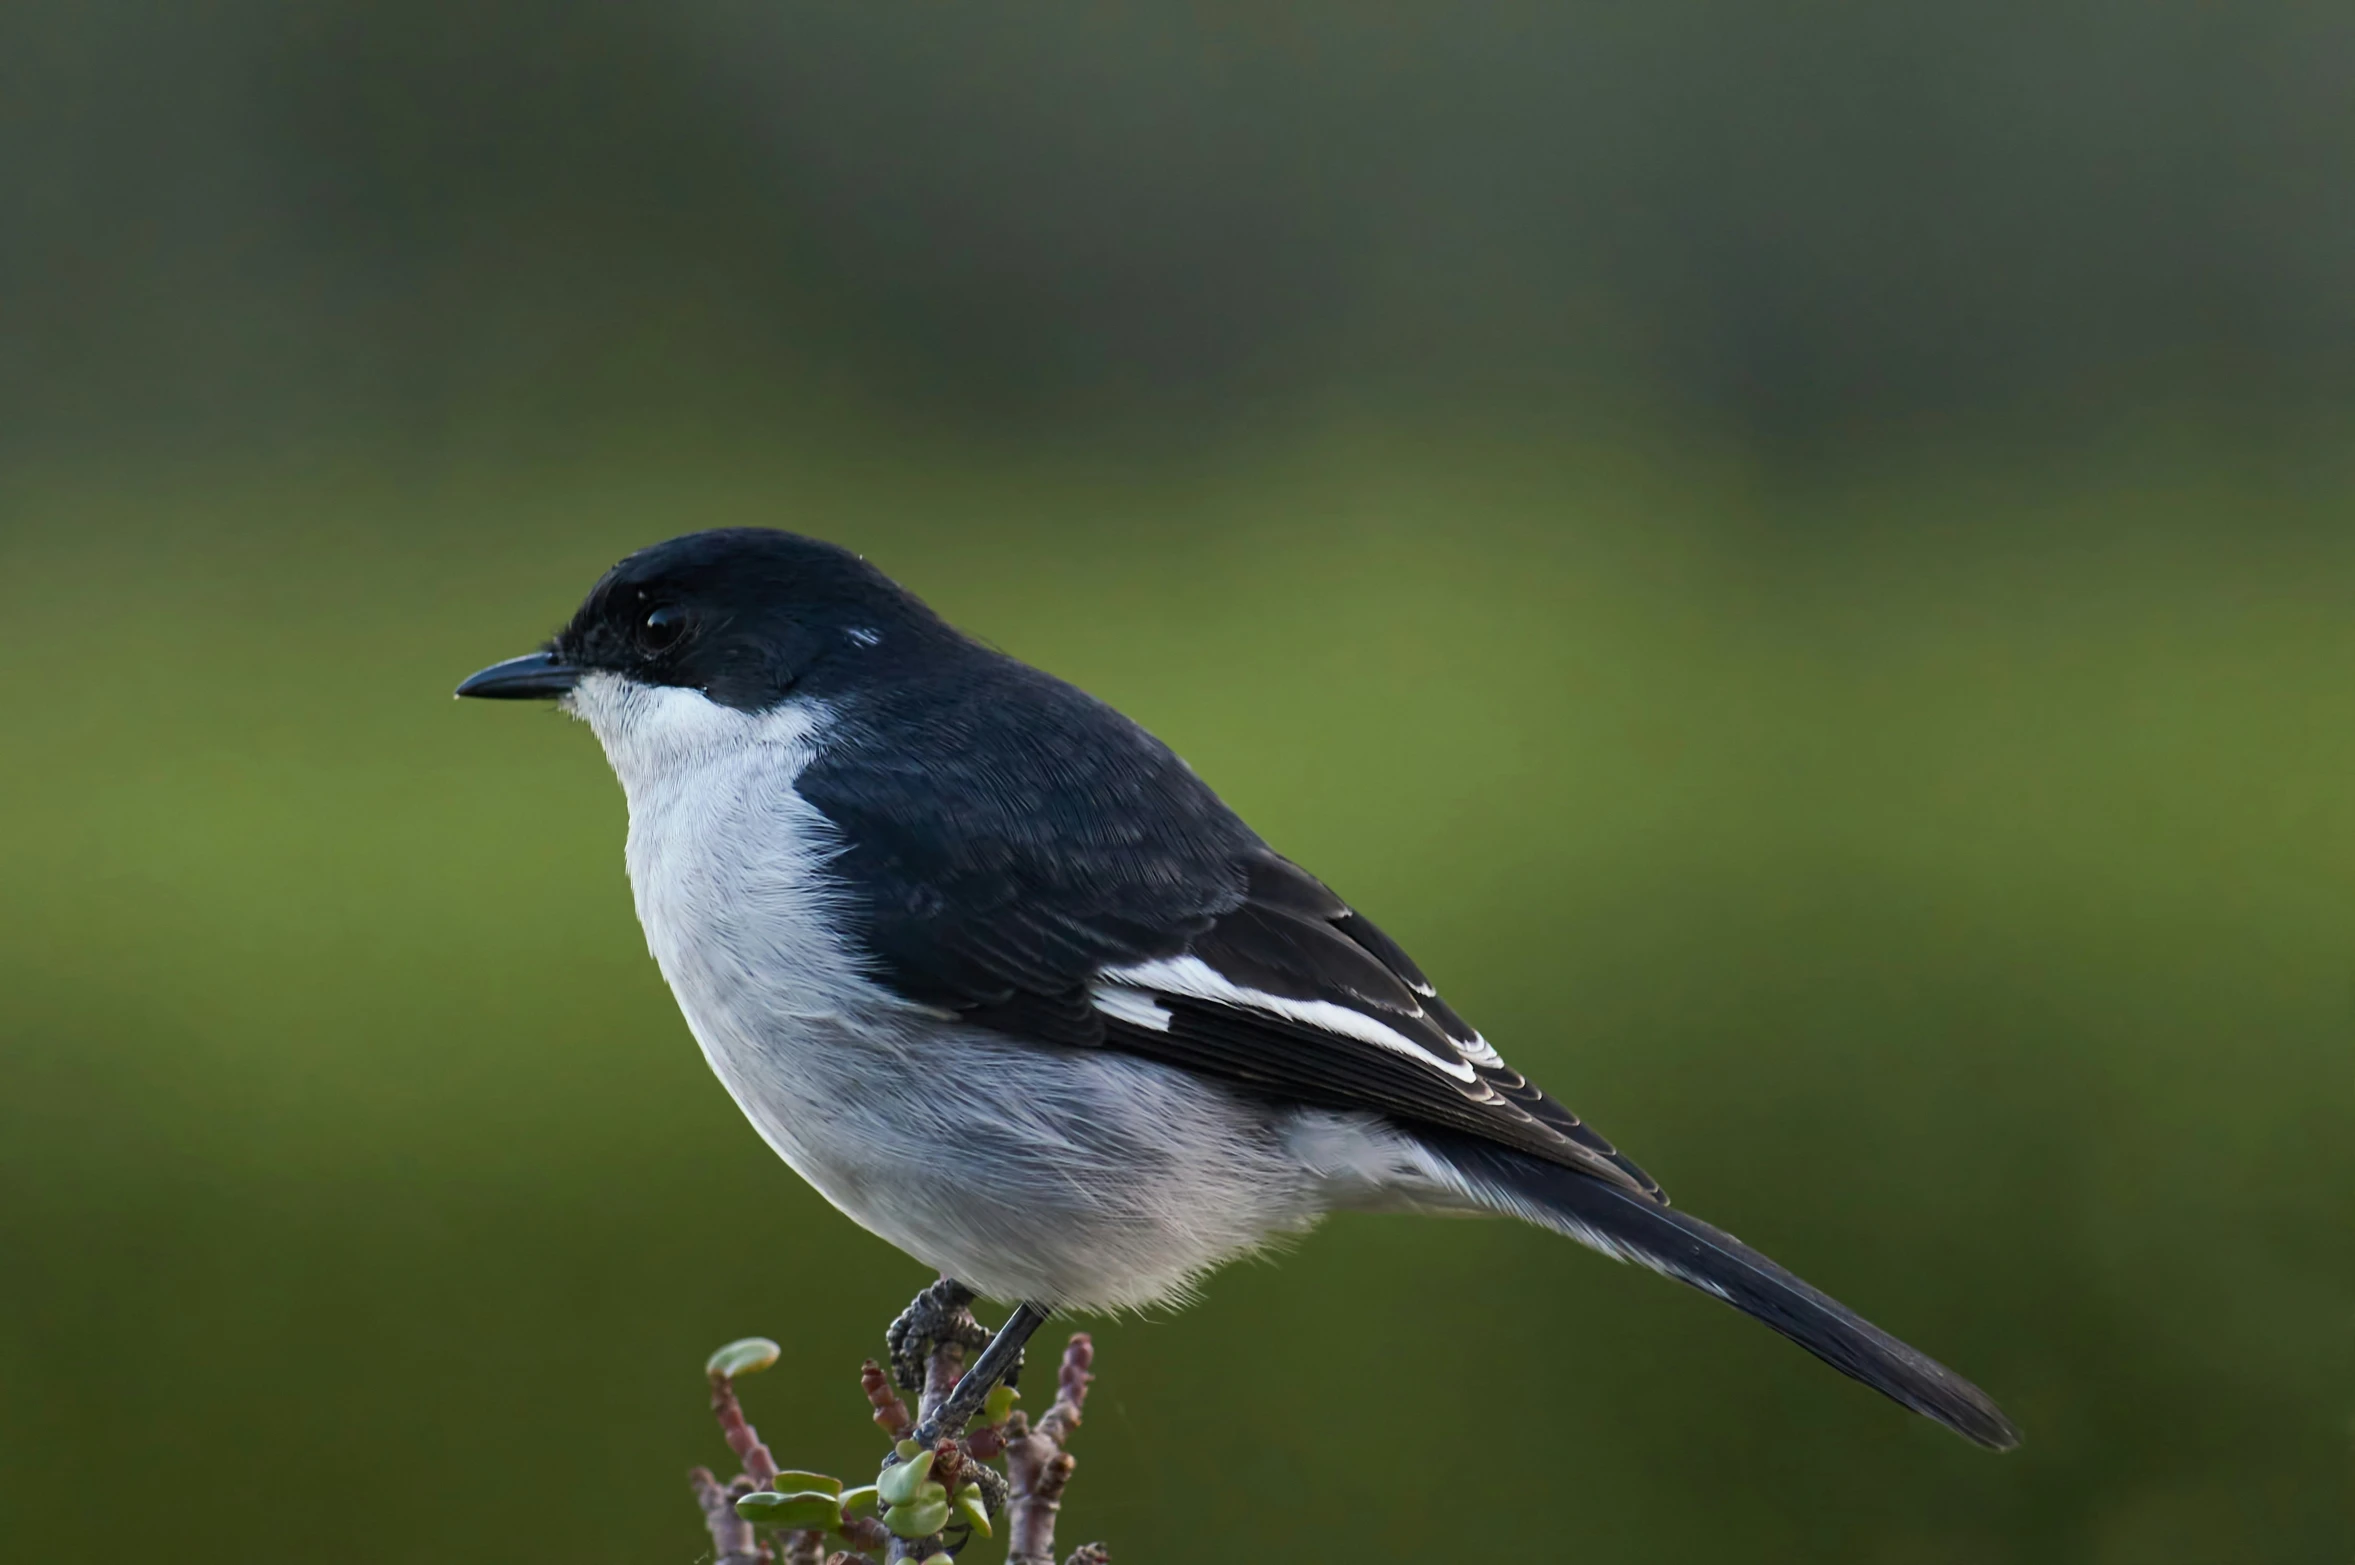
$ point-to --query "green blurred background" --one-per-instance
(1798, 556)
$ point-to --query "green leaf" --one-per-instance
(920, 1520)
(898, 1484)
(791, 1482)
(1000, 1404)
(862, 1495)
(744, 1356)
(906, 1449)
(808, 1510)
(942, 1558)
(973, 1508)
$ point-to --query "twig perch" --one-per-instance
(733, 1539)
(941, 1498)
(1037, 1466)
(742, 1438)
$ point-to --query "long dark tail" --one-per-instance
(1622, 1223)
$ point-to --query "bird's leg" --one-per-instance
(998, 1362)
(940, 1315)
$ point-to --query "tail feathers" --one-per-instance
(1623, 1224)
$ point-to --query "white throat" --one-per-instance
(727, 864)
(724, 856)
(659, 736)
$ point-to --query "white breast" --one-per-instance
(726, 863)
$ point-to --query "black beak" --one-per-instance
(535, 676)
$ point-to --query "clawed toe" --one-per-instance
(939, 1315)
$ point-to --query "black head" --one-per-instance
(743, 614)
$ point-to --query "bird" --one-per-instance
(1003, 979)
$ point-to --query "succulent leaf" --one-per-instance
(919, 1520)
(791, 1482)
(899, 1483)
(744, 1356)
(810, 1510)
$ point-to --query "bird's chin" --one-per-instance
(610, 704)
(654, 732)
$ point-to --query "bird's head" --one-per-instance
(742, 617)
(716, 643)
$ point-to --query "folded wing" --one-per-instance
(1051, 871)
(1295, 993)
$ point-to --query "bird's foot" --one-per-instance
(942, 1314)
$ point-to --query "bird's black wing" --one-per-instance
(1041, 866)
(1296, 993)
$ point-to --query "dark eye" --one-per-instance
(661, 627)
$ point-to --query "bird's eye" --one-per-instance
(661, 627)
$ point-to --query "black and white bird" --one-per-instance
(1003, 979)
